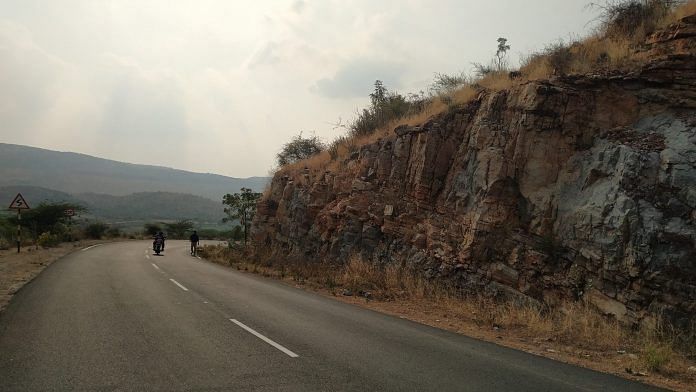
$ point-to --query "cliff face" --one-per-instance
(575, 187)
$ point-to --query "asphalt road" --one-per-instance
(114, 317)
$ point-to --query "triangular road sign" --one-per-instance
(19, 203)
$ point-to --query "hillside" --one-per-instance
(77, 173)
(141, 206)
(153, 206)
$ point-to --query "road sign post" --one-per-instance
(19, 230)
(19, 204)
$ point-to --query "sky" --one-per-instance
(219, 85)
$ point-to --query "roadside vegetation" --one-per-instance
(623, 27)
(241, 207)
(572, 331)
(46, 225)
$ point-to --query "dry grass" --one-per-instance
(605, 50)
(687, 8)
(496, 81)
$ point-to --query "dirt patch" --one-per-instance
(16, 270)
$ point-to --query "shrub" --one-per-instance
(113, 232)
(334, 147)
(444, 84)
(633, 18)
(178, 229)
(559, 57)
(385, 106)
(341, 144)
(48, 240)
(657, 356)
(482, 70)
(299, 148)
(7, 233)
(96, 230)
(4, 244)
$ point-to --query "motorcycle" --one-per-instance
(158, 246)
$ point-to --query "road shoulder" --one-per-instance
(18, 269)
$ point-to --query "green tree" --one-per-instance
(96, 230)
(299, 148)
(379, 98)
(178, 229)
(47, 218)
(242, 207)
(7, 231)
(384, 107)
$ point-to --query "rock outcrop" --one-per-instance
(579, 186)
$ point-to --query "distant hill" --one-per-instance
(145, 206)
(78, 173)
(154, 206)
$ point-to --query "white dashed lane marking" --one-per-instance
(265, 339)
(237, 322)
(179, 284)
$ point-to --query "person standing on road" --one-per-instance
(194, 242)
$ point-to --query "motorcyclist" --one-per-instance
(158, 236)
(194, 242)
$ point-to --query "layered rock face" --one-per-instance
(577, 187)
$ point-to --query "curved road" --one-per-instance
(114, 317)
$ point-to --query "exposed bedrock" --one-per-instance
(577, 187)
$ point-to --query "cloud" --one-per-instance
(31, 82)
(355, 79)
(149, 111)
(299, 6)
(164, 81)
(268, 54)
